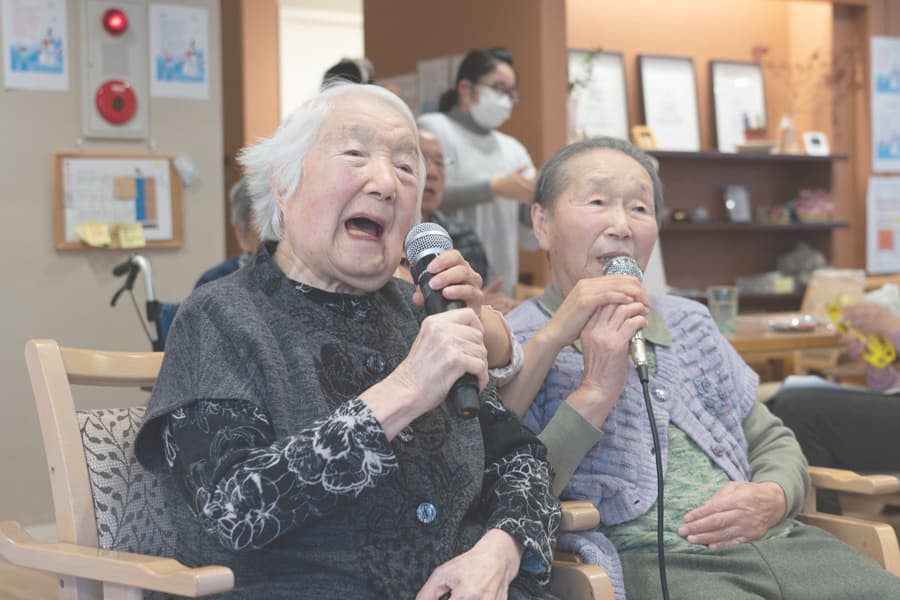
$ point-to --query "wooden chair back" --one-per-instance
(53, 370)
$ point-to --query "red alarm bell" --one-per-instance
(115, 21)
(116, 101)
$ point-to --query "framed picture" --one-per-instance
(669, 98)
(597, 93)
(643, 138)
(739, 102)
(815, 143)
(737, 204)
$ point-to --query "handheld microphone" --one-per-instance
(625, 265)
(423, 243)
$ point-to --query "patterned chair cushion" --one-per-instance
(128, 501)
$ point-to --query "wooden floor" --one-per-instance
(17, 583)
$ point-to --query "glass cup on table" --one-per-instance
(722, 301)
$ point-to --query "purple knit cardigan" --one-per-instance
(701, 385)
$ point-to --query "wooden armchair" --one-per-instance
(115, 539)
(572, 578)
(863, 497)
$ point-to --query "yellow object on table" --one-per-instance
(879, 351)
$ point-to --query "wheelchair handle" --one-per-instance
(122, 268)
(132, 266)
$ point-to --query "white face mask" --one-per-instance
(492, 109)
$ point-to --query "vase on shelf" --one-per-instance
(788, 141)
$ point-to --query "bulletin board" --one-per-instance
(118, 191)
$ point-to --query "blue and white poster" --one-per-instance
(885, 104)
(179, 46)
(35, 49)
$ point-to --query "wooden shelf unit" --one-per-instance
(697, 255)
(748, 156)
(673, 227)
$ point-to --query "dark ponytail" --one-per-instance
(448, 100)
(474, 66)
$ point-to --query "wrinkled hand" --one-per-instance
(514, 185)
(482, 573)
(854, 345)
(740, 512)
(456, 279)
(604, 345)
(585, 298)
(449, 345)
(871, 318)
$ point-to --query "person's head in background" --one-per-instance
(486, 87)
(245, 231)
(434, 188)
(354, 70)
(596, 199)
(434, 173)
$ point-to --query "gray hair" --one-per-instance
(241, 204)
(273, 166)
(554, 175)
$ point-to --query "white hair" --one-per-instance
(273, 166)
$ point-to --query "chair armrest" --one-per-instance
(582, 581)
(123, 568)
(840, 480)
(876, 540)
(578, 516)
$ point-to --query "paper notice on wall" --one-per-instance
(885, 104)
(94, 234)
(35, 52)
(130, 235)
(883, 225)
(179, 45)
(118, 190)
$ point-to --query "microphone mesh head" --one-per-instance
(425, 239)
(624, 265)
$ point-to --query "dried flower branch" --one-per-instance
(806, 81)
(587, 74)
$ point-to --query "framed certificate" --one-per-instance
(669, 99)
(739, 102)
(597, 93)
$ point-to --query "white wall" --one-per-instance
(314, 35)
(65, 294)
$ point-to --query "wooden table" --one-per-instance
(757, 343)
(753, 335)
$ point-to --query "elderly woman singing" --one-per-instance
(299, 419)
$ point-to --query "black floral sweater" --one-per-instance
(275, 468)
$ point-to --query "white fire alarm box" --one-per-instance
(114, 67)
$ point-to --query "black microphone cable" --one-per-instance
(657, 453)
(625, 265)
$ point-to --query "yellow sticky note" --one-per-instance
(94, 233)
(131, 235)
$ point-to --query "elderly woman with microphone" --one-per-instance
(734, 475)
(299, 419)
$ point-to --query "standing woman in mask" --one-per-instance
(489, 174)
